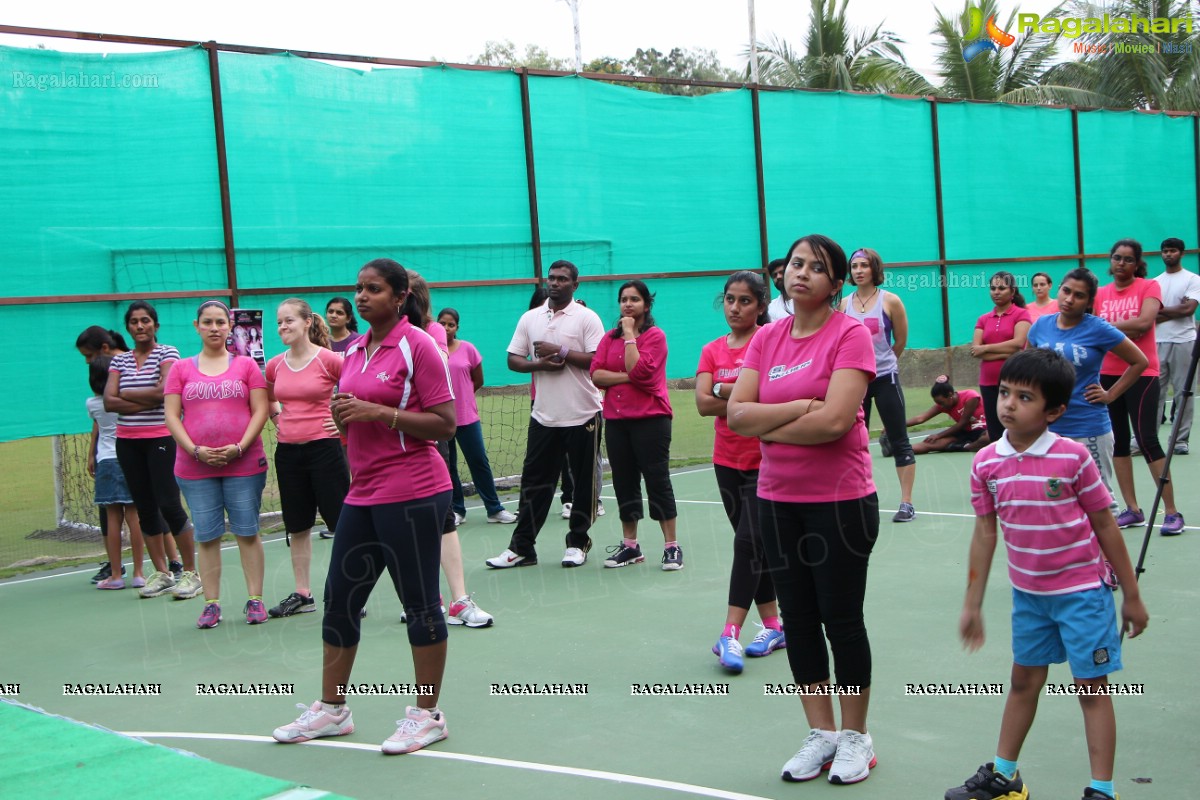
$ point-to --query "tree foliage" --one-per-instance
(504, 54)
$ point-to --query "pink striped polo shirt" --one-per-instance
(1042, 498)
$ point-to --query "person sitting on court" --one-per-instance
(969, 431)
(1064, 551)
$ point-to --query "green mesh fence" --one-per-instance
(111, 186)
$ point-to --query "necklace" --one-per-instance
(862, 304)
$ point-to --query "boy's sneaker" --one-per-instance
(1095, 794)
(176, 568)
(210, 617)
(111, 583)
(188, 586)
(672, 558)
(575, 556)
(464, 612)
(622, 556)
(906, 513)
(1130, 519)
(728, 651)
(854, 759)
(987, 784)
(816, 754)
(294, 603)
(315, 722)
(503, 517)
(566, 512)
(418, 729)
(885, 445)
(1172, 525)
(766, 642)
(255, 611)
(510, 559)
(159, 583)
(599, 508)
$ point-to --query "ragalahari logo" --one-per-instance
(989, 37)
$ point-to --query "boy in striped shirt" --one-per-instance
(1061, 538)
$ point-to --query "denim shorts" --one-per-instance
(210, 498)
(1079, 627)
(111, 489)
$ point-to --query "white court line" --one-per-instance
(617, 777)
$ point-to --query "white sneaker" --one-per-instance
(566, 512)
(855, 757)
(510, 559)
(816, 754)
(317, 720)
(599, 509)
(158, 584)
(463, 611)
(574, 557)
(418, 729)
(189, 586)
(459, 519)
(503, 516)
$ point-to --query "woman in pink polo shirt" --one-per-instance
(216, 406)
(394, 402)
(800, 391)
(998, 334)
(1131, 304)
(630, 365)
(310, 466)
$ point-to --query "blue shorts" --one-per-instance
(111, 489)
(210, 498)
(1080, 627)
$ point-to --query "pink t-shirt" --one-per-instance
(463, 362)
(304, 395)
(978, 419)
(1115, 305)
(1036, 313)
(998, 328)
(646, 393)
(438, 333)
(1042, 498)
(724, 363)
(216, 413)
(406, 372)
(789, 369)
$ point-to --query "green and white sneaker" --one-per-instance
(157, 584)
(188, 587)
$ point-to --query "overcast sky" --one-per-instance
(457, 30)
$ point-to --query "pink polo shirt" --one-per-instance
(998, 328)
(790, 368)
(304, 395)
(724, 363)
(216, 413)
(646, 393)
(1115, 305)
(1042, 498)
(463, 362)
(406, 372)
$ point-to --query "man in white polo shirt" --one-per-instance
(555, 342)
(1176, 334)
(781, 306)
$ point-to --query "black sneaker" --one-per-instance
(294, 603)
(176, 569)
(672, 558)
(622, 556)
(105, 573)
(325, 534)
(885, 445)
(1095, 794)
(905, 513)
(987, 784)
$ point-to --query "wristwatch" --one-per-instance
(716, 390)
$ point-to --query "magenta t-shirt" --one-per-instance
(646, 393)
(408, 372)
(216, 412)
(463, 362)
(724, 363)
(1115, 305)
(789, 369)
(998, 328)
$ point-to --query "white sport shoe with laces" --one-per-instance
(418, 729)
(317, 720)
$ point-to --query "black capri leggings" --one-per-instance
(149, 467)
(889, 396)
(311, 476)
(1138, 405)
(641, 448)
(406, 539)
(817, 554)
(990, 396)
(749, 581)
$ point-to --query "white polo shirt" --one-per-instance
(567, 397)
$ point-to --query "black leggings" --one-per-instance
(817, 554)
(637, 449)
(1138, 405)
(889, 396)
(990, 396)
(406, 539)
(749, 580)
(149, 467)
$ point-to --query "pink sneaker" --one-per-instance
(256, 612)
(111, 583)
(418, 729)
(318, 720)
(210, 617)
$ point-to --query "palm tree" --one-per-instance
(836, 57)
(1168, 78)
